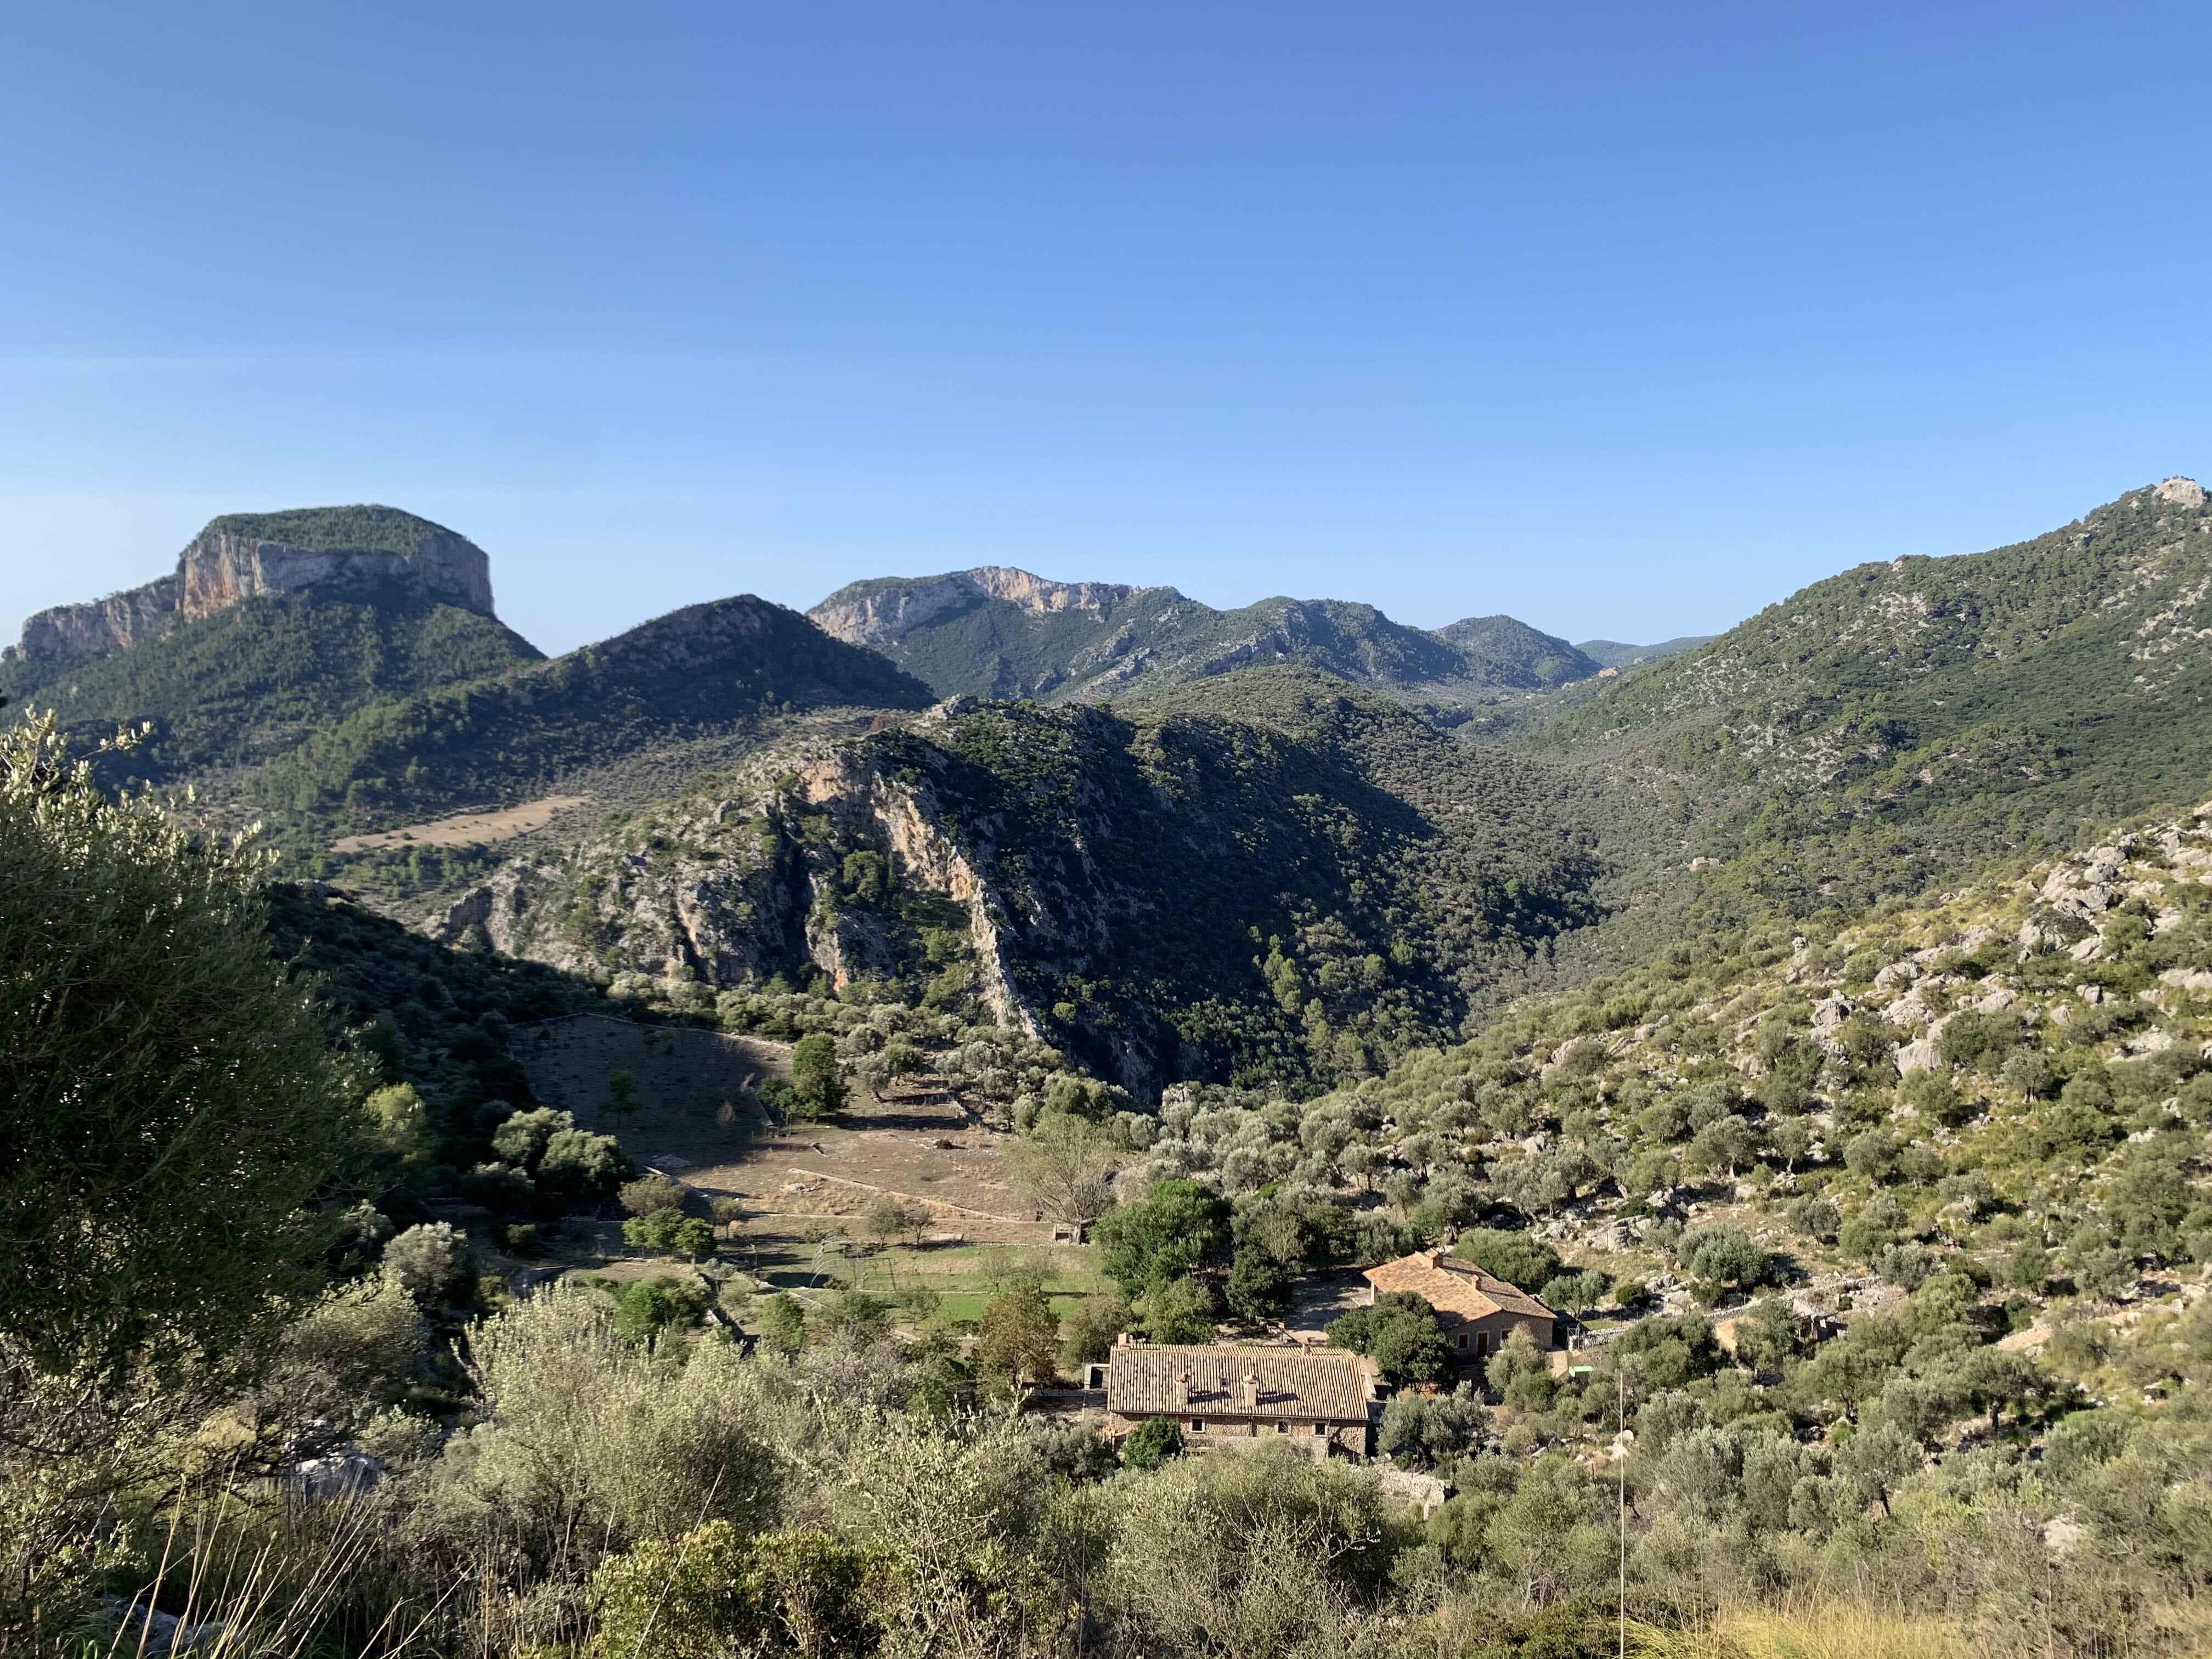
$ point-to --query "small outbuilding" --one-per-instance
(1478, 1310)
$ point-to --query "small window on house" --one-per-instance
(1462, 1339)
(1198, 1425)
(1282, 1428)
(1320, 1428)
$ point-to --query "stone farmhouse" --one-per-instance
(1318, 1400)
(1477, 1310)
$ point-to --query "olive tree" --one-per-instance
(1061, 1164)
(172, 1106)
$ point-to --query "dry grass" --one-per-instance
(466, 829)
(1840, 1628)
(1823, 1630)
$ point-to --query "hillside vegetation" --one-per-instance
(1779, 1013)
(1892, 1233)
(703, 669)
(256, 678)
(1272, 878)
(359, 529)
(1901, 722)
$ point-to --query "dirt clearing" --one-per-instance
(466, 829)
(691, 1090)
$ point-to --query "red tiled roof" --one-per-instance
(1300, 1385)
(1453, 1286)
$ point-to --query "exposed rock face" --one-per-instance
(221, 568)
(750, 892)
(870, 618)
(70, 633)
(2182, 492)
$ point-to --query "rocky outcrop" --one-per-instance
(734, 890)
(870, 613)
(70, 633)
(223, 567)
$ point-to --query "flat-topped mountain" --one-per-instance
(272, 625)
(242, 555)
(996, 632)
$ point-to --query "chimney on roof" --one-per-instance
(1182, 1389)
(1251, 1393)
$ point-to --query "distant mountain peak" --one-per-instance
(243, 555)
(868, 612)
(998, 632)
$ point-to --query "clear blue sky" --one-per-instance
(1625, 318)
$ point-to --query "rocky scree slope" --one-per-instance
(1274, 877)
(1006, 634)
(2020, 1064)
(1892, 726)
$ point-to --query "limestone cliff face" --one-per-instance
(889, 613)
(70, 633)
(732, 891)
(222, 566)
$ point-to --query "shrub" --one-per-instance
(432, 1262)
(1723, 1254)
(647, 1307)
(1518, 1258)
(1177, 1227)
(782, 1324)
(1152, 1443)
(1422, 1431)
(1812, 1218)
(650, 1193)
(1399, 1333)
(1259, 1286)
(1181, 1310)
(170, 1098)
(818, 1084)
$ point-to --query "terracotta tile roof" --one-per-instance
(1301, 1385)
(1450, 1285)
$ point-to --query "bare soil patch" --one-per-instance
(698, 1120)
(918, 1145)
(466, 829)
(694, 1088)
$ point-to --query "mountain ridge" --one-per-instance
(1000, 632)
(1905, 719)
(698, 669)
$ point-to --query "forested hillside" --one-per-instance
(1901, 722)
(1272, 878)
(703, 669)
(1892, 1233)
(1866, 1155)
(256, 678)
